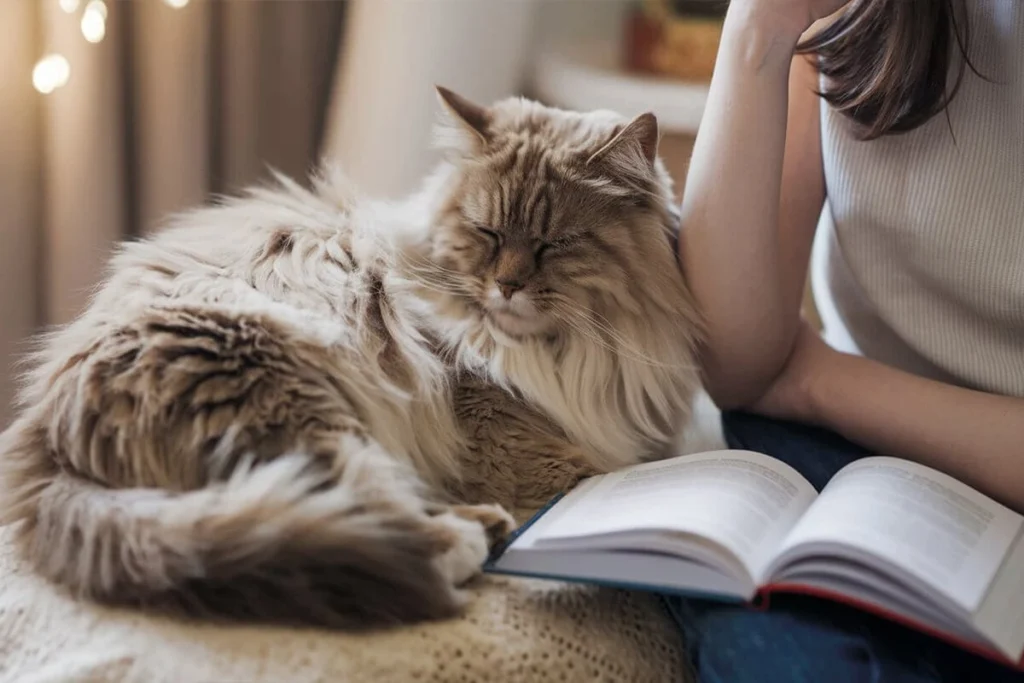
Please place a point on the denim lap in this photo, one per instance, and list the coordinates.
(815, 453)
(798, 641)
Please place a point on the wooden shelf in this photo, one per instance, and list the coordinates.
(586, 77)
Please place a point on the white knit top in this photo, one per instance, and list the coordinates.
(919, 258)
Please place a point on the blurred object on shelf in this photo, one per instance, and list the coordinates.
(586, 76)
(674, 38)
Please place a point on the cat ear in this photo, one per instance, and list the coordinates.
(637, 141)
(470, 117)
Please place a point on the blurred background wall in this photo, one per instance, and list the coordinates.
(114, 113)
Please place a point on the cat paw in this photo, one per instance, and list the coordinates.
(495, 520)
(468, 550)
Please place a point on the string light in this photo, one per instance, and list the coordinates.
(94, 21)
(51, 72)
(98, 6)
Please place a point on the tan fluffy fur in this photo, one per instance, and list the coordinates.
(303, 405)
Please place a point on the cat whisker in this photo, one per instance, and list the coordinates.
(387, 251)
(436, 278)
(425, 274)
(591, 327)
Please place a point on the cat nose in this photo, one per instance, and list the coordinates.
(509, 287)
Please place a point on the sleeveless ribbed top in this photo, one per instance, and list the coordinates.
(919, 258)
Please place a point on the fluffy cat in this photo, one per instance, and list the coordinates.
(301, 405)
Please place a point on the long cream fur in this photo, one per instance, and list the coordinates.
(305, 405)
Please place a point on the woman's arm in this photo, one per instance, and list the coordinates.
(971, 435)
(753, 195)
(974, 436)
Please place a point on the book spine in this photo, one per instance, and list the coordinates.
(499, 548)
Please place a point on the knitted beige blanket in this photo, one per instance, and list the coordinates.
(514, 631)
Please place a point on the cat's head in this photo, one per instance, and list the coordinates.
(552, 244)
(556, 221)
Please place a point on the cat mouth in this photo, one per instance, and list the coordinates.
(516, 325)
(516, 316)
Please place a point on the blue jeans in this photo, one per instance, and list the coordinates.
(803, 640)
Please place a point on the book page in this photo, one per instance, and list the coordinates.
(1001, 615)
(744, 501)
(926, 523)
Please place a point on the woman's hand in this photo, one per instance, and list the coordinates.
(790, 396)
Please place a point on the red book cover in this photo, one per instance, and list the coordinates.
(763, 601)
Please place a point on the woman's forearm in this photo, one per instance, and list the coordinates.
(973, 436)
(729, 241)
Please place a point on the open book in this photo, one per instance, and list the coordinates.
(886, 535)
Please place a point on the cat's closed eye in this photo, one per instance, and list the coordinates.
(492, 235)
(545, 248)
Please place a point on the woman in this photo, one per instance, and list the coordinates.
(913, 159)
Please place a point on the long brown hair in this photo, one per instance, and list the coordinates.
(887, 62)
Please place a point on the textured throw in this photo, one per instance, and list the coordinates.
(514, 630)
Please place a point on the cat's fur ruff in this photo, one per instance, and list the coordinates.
(295, 405)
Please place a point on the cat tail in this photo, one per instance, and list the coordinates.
(278, 541)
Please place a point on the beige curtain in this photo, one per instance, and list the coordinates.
(385, 107)
(178, 100)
